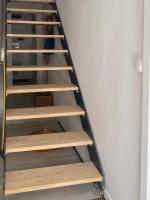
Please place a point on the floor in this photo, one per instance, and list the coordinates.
(41, 159)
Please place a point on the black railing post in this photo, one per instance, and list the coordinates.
(2, 110)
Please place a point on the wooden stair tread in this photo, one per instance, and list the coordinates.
(38, 68)
(32, 22)
(46, 141)
(37, 51)
(43, 112)
(51, 177)
(34, 1)
(34, 36)
(21, 10)
(41, 88)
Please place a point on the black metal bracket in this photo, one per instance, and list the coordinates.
(77, 153)
(79, 99)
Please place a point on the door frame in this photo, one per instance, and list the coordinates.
(145, 138)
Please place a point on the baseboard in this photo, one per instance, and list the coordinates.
(107, 195)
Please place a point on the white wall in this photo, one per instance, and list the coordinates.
(105, 39)
(145, 139)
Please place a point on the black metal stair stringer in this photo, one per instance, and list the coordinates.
(79, 99)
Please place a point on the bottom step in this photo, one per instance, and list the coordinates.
(51, 177)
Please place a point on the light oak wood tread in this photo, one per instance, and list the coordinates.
(46, 141)
(43, 112)
(41, 88)
(38, 68)
(34, 36)
(34, 1)
(37, 51)
(21, 10)
(51, 177)
(32, 22)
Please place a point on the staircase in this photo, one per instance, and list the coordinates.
(44, 178)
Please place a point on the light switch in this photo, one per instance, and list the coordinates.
(139, 66)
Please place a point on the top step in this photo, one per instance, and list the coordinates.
(21, 10)
(33, 1)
